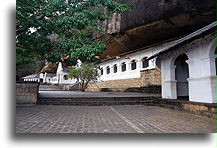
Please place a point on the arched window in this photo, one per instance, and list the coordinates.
(133, 64)
(107, 69)
(144, 62)
(65, 77)
(123, 67)
(115, 68)
(101, 71)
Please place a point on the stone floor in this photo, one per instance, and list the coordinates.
(76, 94)
(49, 88)
(53, 91)
(109, 119)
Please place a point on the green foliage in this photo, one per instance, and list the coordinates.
(84, 74)
(73, 24)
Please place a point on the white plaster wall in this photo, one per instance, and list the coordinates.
(134, 56)
(54, 80)
(202, 81)
(68, 81)
(59, 79)
(202, 76)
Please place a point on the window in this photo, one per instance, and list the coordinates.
(65, 77)
(133, 65)
(107, 69)
(115, 68)
(123, 66)
(101, 71)
(144, 62)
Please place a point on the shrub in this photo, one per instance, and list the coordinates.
(84, 74)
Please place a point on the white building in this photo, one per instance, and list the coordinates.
(188, 67)
(33, 77)
(129, 65)
(61, 76)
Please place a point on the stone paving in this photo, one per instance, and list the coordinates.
(109, 119)
(52, 91)
(76, 94)
(49, 88)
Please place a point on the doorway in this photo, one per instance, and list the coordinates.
(181, 76)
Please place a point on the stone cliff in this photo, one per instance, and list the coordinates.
(154, 21)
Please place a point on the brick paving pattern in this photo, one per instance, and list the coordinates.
(109, 119)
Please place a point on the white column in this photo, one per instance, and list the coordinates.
(168, 82)
(137, 65)
(128, 66)
(152, 63)
(119, 68)
(202, 85)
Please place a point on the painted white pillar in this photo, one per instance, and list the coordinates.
(137, 65)
(202, 87)
(168, 82)
(128, 66)
(140, 64)
(119, 68)
(152, 63)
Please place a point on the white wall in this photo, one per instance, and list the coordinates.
(134, 56)
(68, 81)
(201, 65)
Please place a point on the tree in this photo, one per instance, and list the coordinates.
(62, 30)
(84, 74)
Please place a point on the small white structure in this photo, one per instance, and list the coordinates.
(61, 76)
(188, 67)
(32, 78)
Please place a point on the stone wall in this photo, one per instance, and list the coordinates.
(150, 77)
(26, 93)
(205, 109)
(149, 81)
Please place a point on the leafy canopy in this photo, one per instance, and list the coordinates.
(51, 29)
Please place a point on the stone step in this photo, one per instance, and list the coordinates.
(94, 101)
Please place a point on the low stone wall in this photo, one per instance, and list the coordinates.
(26, 92)
(149, 81)
(205, 109)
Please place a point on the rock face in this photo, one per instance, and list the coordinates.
(146, 11)
(154, 21)
(49, 68)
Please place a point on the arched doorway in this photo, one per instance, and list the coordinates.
(181, 76)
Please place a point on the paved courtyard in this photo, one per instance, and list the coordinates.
(109, 119)
(78, 94)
